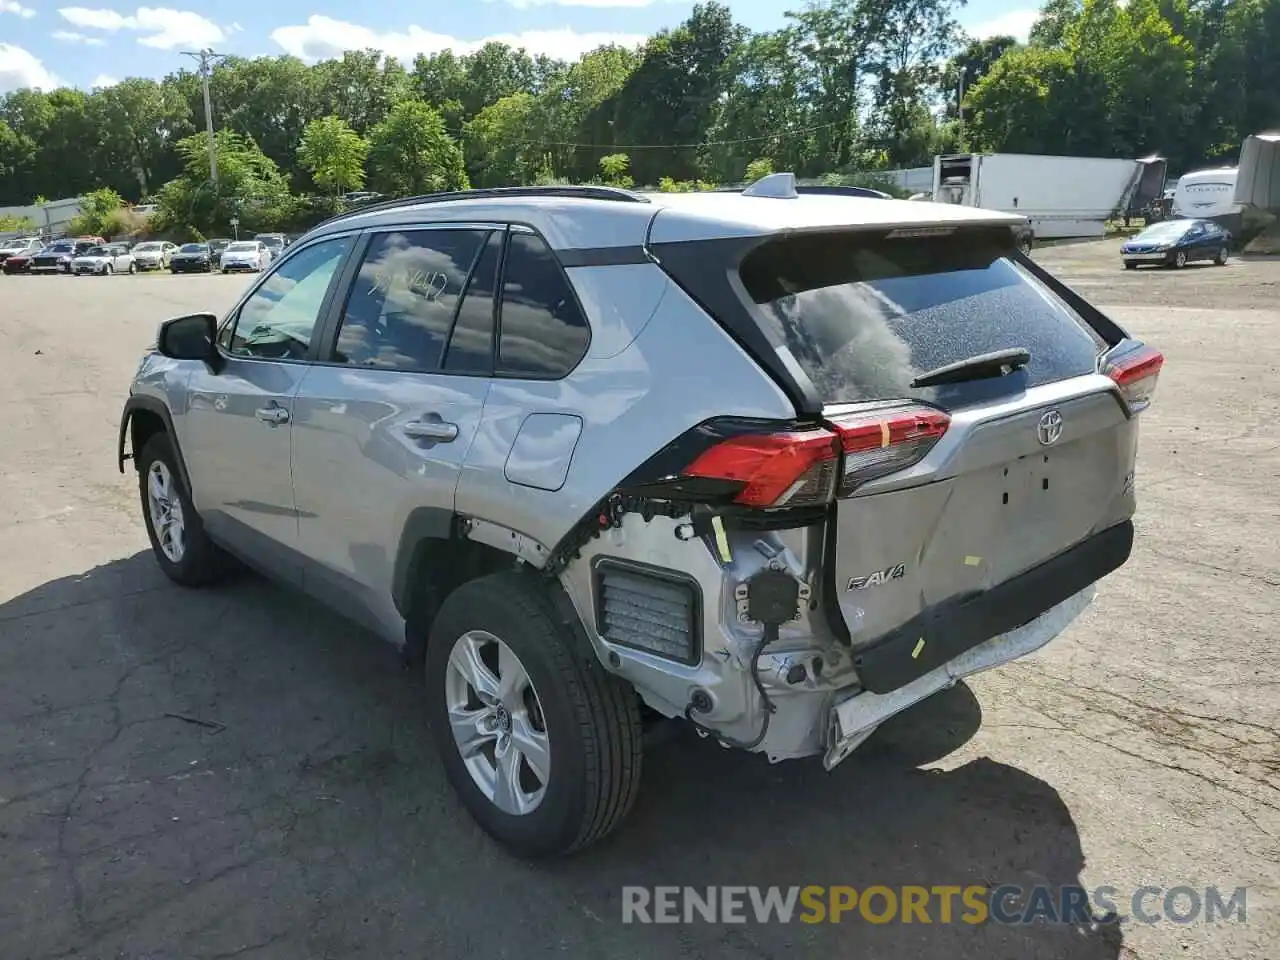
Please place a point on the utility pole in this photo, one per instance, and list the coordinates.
(207, 58)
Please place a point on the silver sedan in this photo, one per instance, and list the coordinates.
(104, 260)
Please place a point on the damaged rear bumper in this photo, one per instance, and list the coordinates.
(855, 717)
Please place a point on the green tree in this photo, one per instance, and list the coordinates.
(672, 96)
(410, 152)
(613, 170)
(249, 186)
(765, 112)
(95, 210)
(11, 224)
(501, 142)
(758, 168)
(334, 154)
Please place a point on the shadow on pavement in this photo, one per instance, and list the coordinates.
(235, 770)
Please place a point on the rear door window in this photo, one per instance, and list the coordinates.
(543, 332)
(401, 307)
(864, 314)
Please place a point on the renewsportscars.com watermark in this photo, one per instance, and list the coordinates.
(939, 904)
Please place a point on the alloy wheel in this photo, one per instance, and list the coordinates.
(497, 723)
(165, 507)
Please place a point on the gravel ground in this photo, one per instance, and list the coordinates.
(1139, 748)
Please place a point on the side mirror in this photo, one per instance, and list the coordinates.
(190, 338)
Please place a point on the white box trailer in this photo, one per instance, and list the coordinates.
(1061, 197)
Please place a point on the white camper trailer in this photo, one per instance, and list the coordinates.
(1209, 195)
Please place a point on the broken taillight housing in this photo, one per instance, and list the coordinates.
(1135, 368)
(790, 466)
(878, 442)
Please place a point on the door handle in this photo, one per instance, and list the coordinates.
(272, 415)
(436, 430)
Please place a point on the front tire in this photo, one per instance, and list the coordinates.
(542, 745)
(133, 268)
(108, 270)
(178, 540)
(1221, 258)
(1179, 259)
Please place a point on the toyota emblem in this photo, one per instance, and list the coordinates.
(1049, 429)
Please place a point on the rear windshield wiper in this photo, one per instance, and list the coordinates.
(998, 364)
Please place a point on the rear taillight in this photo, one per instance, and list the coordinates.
(883, 441)
(790, 468)
(1135, 370)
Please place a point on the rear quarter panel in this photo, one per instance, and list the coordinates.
(657, 366)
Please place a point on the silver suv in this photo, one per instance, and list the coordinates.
(778, 464)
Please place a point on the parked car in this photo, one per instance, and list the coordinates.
(216, 246)
(274, 242)
(19, 246)
(57, 256)
(20, 262)
(192, 258)
(1175, 243)
(874, 449)
(244, 255)
(105, 260)
(154, 254)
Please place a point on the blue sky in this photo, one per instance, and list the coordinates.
(45, 44)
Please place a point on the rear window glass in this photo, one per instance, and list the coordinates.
(863, 315)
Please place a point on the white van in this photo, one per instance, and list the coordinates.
(1207, 195)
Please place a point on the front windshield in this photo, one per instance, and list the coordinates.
(242, 247)
(96, 252)
(145, 247)
(271, 241)
(61, 248)
(1169, 230)
(193, 248)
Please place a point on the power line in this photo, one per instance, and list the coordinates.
(206, 59)
(678, 146)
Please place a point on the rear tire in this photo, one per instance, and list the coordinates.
(185, 554)
(587, 720)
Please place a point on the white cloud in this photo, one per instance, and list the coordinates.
(19, 68)
(162, 27)
(1014, 23)
(323, 37)
(103, 80)
(13, 6)
(70, 36)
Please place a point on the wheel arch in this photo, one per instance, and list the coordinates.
(144, 417)
(439, 551)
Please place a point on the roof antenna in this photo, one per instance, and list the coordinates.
(779, 186)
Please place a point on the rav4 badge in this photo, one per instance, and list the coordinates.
(879, 578)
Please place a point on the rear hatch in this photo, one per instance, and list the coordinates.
(1023, 462)
(953, 488)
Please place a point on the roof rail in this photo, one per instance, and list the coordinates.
(491, 193)
(800, 189)
(839, 191)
